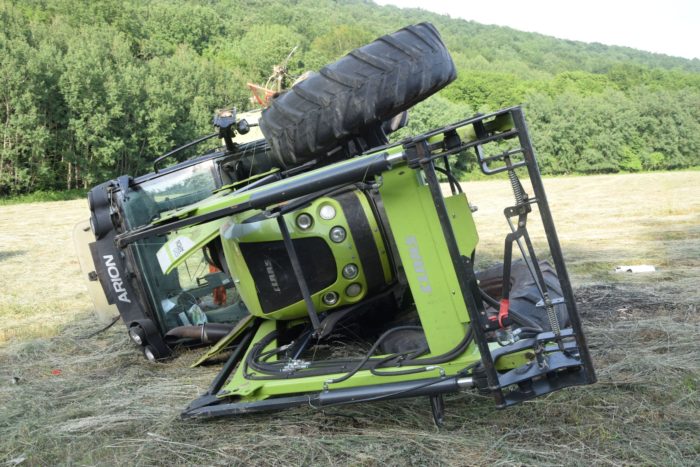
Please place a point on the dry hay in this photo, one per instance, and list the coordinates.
(109, 406)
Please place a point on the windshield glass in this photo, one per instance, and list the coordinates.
(194, 293)
(145, 201)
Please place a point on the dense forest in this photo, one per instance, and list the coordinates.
(93, 89)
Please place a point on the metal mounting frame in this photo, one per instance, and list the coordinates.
(545, 376)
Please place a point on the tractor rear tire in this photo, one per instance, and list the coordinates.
(524, 294)
(364, 88)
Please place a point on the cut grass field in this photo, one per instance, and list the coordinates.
(109, 405)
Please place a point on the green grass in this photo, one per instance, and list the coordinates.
(109, 406)
(43, 196)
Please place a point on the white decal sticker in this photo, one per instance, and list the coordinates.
(116, 279)
(179, 246)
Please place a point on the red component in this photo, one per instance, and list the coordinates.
(503, 311)
(56, 372)
(219, 293)
(261, 94)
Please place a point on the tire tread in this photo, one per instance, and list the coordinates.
(369, 85)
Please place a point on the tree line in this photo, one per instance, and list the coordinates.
(93, 89)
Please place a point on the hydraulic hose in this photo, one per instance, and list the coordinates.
(275, 370)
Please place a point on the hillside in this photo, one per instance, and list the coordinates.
(91, 90)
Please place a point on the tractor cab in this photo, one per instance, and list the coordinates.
(161, 309)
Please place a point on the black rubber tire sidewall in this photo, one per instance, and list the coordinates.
(98, 198)
(524, 294)
(101, 222)
(369, 85)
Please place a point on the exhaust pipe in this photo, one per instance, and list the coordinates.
(208, 333)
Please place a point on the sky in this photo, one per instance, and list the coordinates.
(671, 27)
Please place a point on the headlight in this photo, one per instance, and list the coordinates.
(327, 212)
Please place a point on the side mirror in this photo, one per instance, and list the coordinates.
(224, 120)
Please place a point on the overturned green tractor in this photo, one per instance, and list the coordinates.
(353, 265)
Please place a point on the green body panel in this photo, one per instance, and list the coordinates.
(235, 232)
(427, 263)
(425, 257)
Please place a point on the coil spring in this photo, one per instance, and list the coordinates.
(515, 183)
(552, 315)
